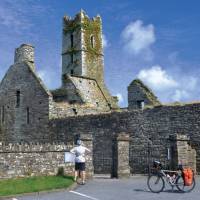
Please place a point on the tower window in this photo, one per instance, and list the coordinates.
(27, 115)
(92, 41)
(72, 71)
(18, 98)
(72, 58)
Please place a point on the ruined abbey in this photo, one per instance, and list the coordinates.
(38, 125)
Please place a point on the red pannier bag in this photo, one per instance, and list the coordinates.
(188, 176)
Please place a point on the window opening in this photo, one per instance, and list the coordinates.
(92, 41)
(27, 115)
(140, 104)
(18, 98)
(72, 40)
(75, 111)
(3, 114)
(72, 58)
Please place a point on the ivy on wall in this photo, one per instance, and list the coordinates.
(90, 28)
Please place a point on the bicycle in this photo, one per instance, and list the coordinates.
(156, 181)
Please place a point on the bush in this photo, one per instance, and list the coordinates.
(60, 171)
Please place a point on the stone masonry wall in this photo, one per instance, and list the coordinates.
(17, 123)
(35, 159)
(149, 132)
(18, 160)
(137, 93)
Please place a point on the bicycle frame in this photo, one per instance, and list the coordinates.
(171, 180)
(157, 179)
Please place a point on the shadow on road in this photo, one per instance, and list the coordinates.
(141, 190)
(168, 191)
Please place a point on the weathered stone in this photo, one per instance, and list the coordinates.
(37, 125)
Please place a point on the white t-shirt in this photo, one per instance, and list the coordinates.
(79, 152)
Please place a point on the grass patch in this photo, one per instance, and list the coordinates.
(33, 184)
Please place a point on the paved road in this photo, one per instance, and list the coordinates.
(114, 189)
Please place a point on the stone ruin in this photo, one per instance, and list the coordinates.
(38, 125)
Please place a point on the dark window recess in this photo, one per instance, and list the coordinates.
(72, 40)
(72, 57)
(97, 103)
(27, 115)
(75, 111)
(76, 137)
(3, 114)
(140, 104)
(18, 98)
(92, 41)
(72, 101)
(72, 72)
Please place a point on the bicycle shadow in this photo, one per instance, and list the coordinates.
(167, 191)
(141, 190)
(173, 191)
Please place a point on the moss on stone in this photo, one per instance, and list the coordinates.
(59, 92)
(71, 26)
(92, 28)
(147, 91)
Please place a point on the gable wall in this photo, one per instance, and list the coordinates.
(15, 127)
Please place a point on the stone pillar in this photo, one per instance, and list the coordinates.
(184, 154)
(122, 148)
(88, 142)
(25, 53)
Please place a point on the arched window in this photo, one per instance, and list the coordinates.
(92, 41)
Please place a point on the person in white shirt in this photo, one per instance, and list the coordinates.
(79, 152)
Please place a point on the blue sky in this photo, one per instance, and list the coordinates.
(157, 41)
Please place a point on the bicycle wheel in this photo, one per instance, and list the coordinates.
(155, 183)
(181, 187)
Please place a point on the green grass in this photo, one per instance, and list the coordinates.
(33, 184)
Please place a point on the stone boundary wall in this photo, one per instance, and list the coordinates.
(35, 159)
(149, 131)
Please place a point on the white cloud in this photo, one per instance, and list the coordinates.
(169, 87)
(180, 94)
(157, 78)
(138, 38)
(105, 41)
(120, 98)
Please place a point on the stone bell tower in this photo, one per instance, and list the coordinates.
(82, 51)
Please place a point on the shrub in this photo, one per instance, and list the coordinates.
(60, 171)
